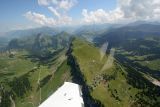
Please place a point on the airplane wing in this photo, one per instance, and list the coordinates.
(68, 95)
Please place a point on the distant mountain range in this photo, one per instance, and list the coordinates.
(83, 30)
(130, 31)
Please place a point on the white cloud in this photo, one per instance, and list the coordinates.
(54, 11)
(65, 20)
(45, 21)
(141, 9)
(126, 10)
(101, 16)
(44, 2)
(67, 4)
(59, 8)
(59, 4)
(39, 18)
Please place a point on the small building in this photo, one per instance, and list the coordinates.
(68, 95)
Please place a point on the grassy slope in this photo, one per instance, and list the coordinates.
(152, 64)
(16, 66)
(115, 92)
(51, 75)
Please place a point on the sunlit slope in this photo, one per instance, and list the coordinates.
(109, 82)
(27, 81)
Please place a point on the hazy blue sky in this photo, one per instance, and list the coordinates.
(12, 11)
(21, 14)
